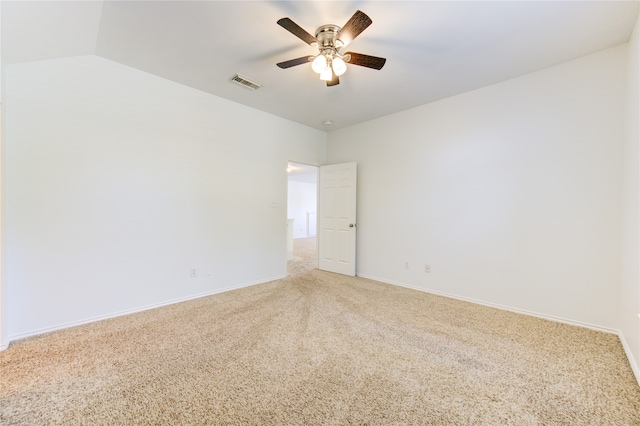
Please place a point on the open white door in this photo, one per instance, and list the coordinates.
(337, 219)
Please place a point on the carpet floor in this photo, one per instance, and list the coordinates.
(322, 349)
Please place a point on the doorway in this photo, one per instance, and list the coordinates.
(302, 202)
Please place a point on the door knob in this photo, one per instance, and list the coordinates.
(351, 225)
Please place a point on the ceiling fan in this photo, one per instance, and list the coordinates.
(329, 39)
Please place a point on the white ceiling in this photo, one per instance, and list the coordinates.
(434, 49)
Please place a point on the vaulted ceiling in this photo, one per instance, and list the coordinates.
(434, 49)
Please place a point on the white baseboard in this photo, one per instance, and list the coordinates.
(131, 311)
(497, 306)
(632, 361)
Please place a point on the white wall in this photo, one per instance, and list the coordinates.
(512, 193)
(302, 198)
(118, 182)
(2, 269)
(630, 283)
(2, 303)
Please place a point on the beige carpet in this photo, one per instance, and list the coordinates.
(322, 349)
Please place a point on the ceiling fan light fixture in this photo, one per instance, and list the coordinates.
(319, 63)
(326, 74)
(339, 67)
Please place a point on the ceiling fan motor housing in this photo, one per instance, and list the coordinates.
(326, 36)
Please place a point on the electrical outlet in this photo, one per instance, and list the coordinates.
(427, 268)
(193, 272)
(406, 264)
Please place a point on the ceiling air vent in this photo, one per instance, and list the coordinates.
(244, 81)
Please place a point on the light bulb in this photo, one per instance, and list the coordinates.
(339, 67)
(319, 63)
(326, 74)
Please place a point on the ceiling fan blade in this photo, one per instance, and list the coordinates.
(365, 60)
(335, 80)
(354, 26)
(294, 62)
(297, 31)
